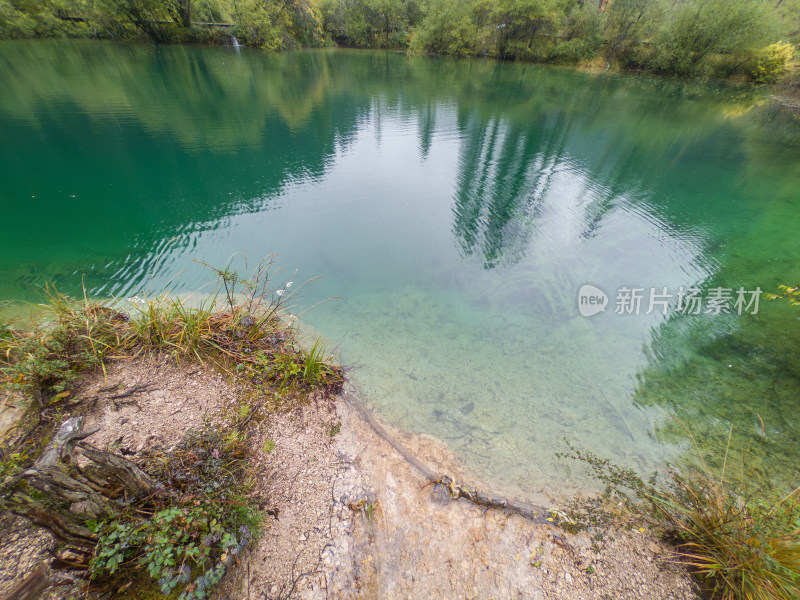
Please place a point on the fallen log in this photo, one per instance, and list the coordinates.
(71, 494)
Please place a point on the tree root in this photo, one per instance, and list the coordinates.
(537, 514)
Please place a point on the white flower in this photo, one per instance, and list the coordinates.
(289, 284)
(279, 292)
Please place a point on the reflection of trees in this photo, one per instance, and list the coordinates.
(503, 173)
(270, 118)
(213, 99)
(146, 140)
(741, 371)
(628, 138)
(426, 118)
(772, 147)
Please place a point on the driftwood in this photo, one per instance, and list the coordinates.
(74, 494)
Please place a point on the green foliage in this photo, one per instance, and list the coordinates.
(174, 545)
(262, 24)
(584, 35)
(314, 365)
(150, 17)
(526, 29)
(691, 32)
(742, 541)
(184, 543)
(695, 38)
(370, 23)
(44, 18)
(300, 369)
(13, 461)
(772, 63)
(45, 362)
(16, 23)
(790, 293)
(448, 28)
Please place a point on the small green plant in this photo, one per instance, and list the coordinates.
(303, 370)
(366, 507)
(12, 462)
(184, 543)
(334, 429)
(269, 446)
(285, 368)
(314, 366)
(174, 547)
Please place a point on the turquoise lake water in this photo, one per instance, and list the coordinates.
(455, 208)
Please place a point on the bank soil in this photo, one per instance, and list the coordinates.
(349, 517)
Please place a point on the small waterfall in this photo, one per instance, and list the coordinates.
(234, 42)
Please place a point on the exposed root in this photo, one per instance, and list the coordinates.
(537, 514)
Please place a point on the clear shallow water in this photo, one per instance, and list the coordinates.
(455, 208)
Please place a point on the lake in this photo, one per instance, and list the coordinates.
(469, 216)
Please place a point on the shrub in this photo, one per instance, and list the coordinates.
(447, 29)
(772, 63)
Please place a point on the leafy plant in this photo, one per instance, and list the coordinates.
(301, 369)
(186, 540)
(286, 368)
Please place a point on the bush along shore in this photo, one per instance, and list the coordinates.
(169, 521)
(165, 520)
(751, 39)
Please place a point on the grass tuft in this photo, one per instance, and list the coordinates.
(741, 541)
(240, 329)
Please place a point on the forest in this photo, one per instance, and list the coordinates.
(745, 39)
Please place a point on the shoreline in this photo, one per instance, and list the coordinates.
(357, 520)
(598, 65)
